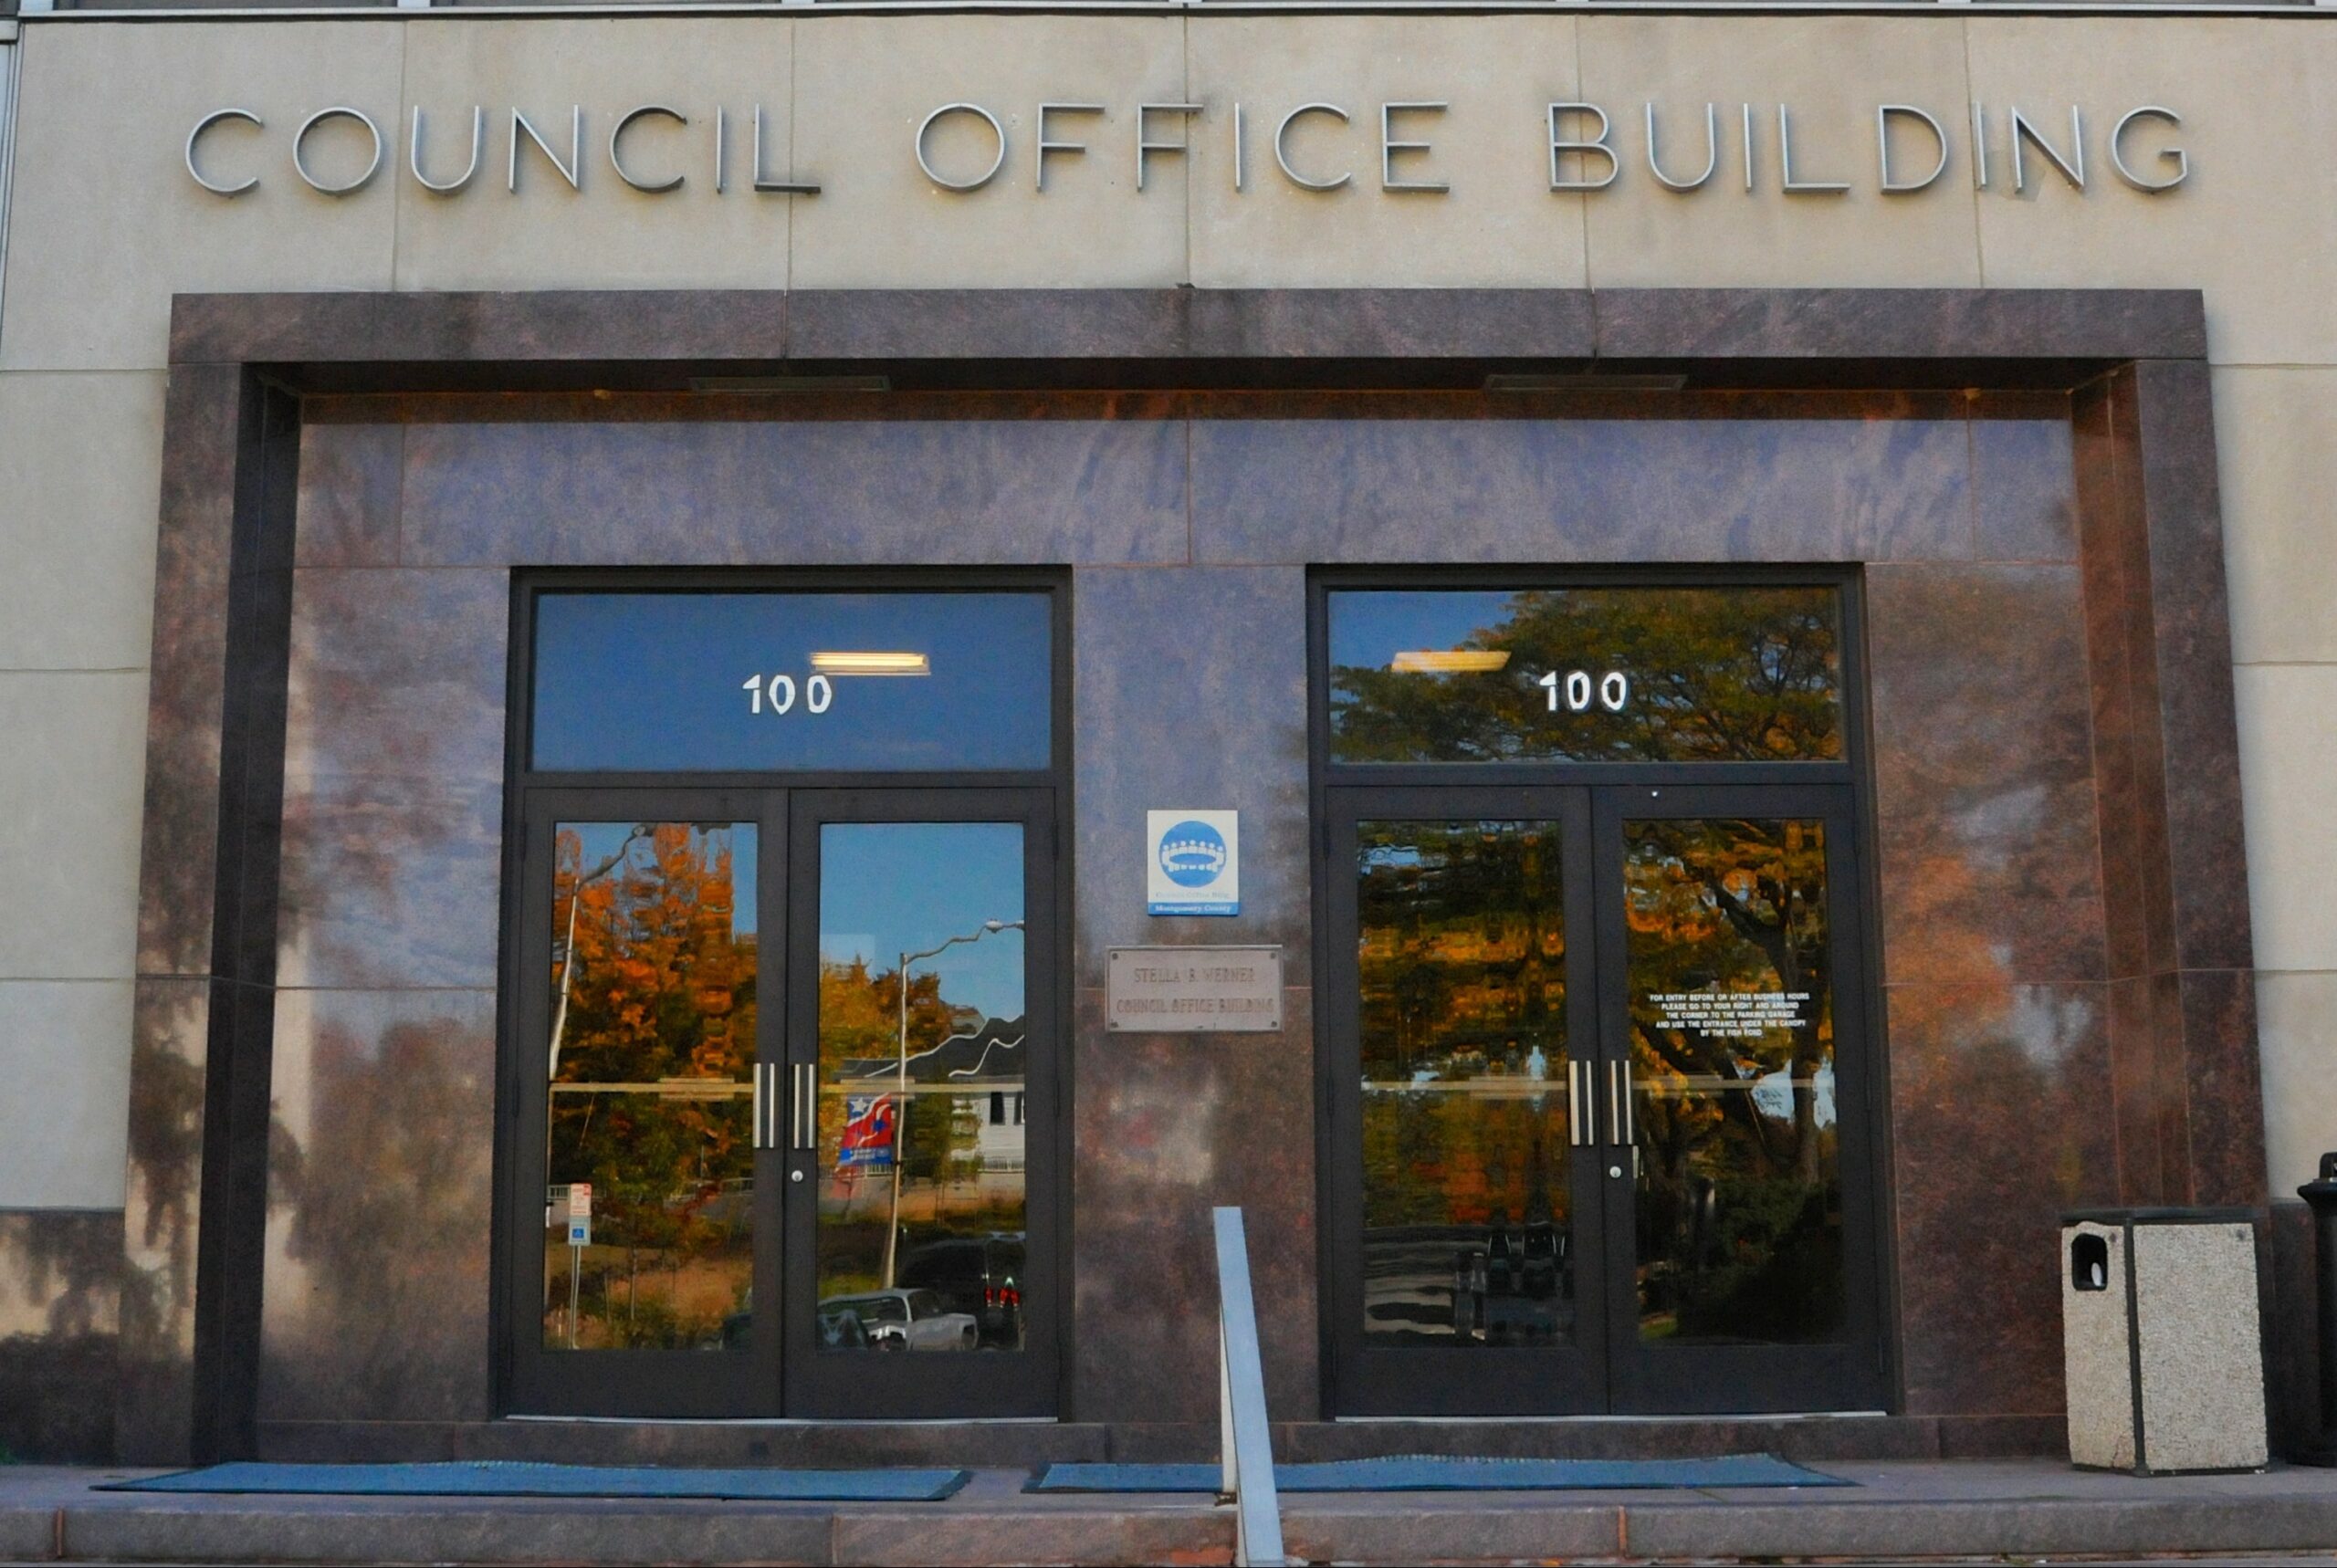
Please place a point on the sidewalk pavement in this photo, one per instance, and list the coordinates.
(1989, 1509)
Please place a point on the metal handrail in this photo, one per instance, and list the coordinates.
(1245, 1443)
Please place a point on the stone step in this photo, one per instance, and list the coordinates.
(1933, 1511)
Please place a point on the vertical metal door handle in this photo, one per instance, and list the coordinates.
(807, 1116)
(1575, 1137)
(759, 1070)
(1619, 1101)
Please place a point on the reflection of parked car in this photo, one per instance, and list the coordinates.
(906, 1319)
(838, 1331)
(980, 1276)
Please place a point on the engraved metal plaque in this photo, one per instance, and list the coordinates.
(1188, 990)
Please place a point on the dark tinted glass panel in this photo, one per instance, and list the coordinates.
(1466, 1208)
(649, 1202)
(1739, 1143)
(751, 682)
(1585, 675)
(922, 1214)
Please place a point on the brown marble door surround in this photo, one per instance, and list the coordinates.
(350, 478)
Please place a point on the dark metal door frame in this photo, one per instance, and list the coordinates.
(1475, 1380)
(1607, 1369)
(859, 1383)
(1844, 1374)
(677, 1383)
(780, 1374)
(1858, 1375)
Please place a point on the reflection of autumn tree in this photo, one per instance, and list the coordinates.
(660, 987)
(1741, 674)
(1462, 966)
(1741, 1219)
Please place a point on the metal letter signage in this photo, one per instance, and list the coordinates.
(1194, 990)
(962, 146)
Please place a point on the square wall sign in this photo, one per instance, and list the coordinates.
(1192, 862)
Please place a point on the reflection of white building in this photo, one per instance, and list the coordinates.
(980, 1067)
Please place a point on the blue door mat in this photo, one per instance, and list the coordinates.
(1433, 1472)
(496, 1478)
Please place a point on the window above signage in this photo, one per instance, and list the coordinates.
(791, 681)
(1585, 675)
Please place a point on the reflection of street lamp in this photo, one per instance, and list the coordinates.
(901, 1099)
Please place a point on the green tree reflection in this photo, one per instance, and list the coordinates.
(1740, 1200)
(1746, 674)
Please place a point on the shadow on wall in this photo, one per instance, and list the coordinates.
(59, 1351)
(378, 1230)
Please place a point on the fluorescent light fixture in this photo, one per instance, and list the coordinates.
(791, 384)
(1590, 381)
(872, 664)
(1449, 660)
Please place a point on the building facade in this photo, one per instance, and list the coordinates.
(716, 710)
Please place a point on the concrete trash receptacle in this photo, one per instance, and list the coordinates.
(2161, 1339)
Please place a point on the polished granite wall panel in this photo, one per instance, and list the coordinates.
(807, 492)
(2223, 1089)
(2166, 749)
(383, 1064)
(398, 674)
(351, 479)
(2104, 492)
(1189, 691)
(1997, 1126)
(1166, 1127)
(380, 1205)
(2193, 653)
(60, 1297)
(1989, 489)
(2137, 1103)
(2122, 624)
(1351, 484)
(204, 412)
(170, 1034)
(2023, 500)
(1983, 769)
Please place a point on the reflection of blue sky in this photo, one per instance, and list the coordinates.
(1774, 1094)
(656, 681)
(1367, 628)
(601, 840)
(889, 888)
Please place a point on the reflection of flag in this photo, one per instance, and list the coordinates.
(868, 1130)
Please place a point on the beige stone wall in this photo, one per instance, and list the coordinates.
(107, 225)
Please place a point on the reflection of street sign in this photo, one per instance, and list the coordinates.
(867, 1138)
(580, 1200)
(580, 1232)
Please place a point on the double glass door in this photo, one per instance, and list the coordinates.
(787, 1131)
(1597, 1079)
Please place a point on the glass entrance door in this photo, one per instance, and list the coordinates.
(1596, 1088)
(783, 997)
(1738, 1180)
(1471, 1199)
(640, 1113)
(921, 1055)
(788, 1125)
